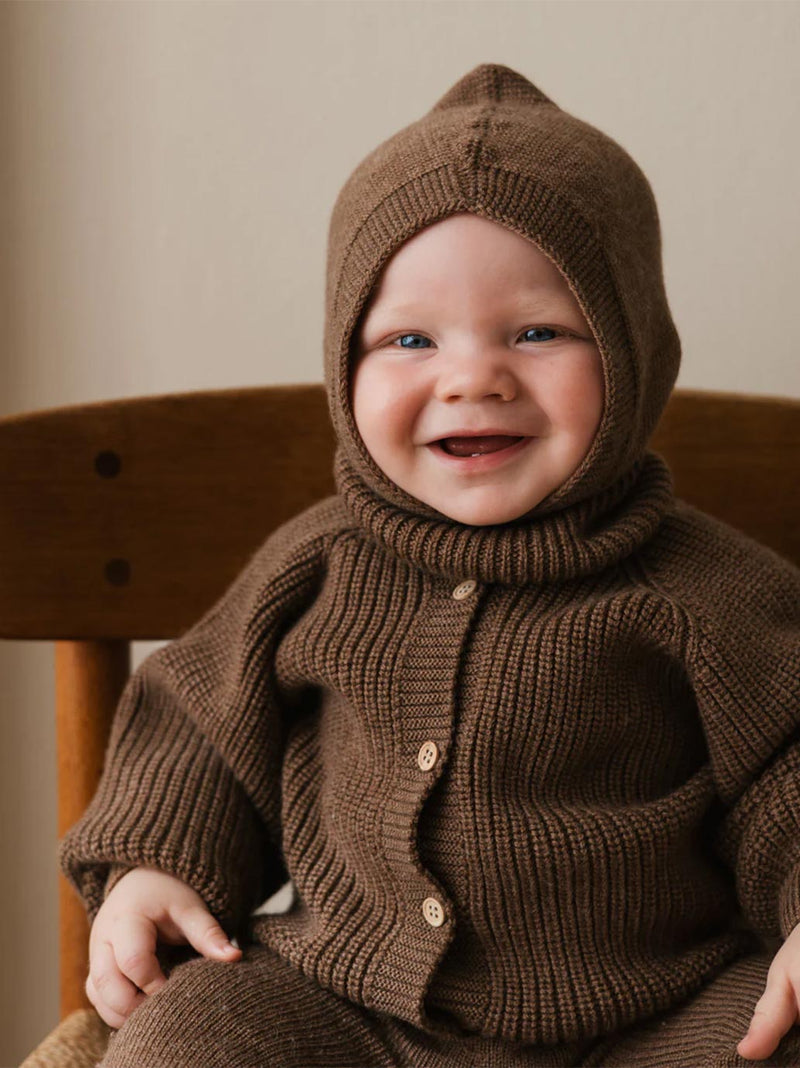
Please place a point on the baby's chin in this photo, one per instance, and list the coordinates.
(482, 513)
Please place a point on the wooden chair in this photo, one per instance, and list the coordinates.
(125, 520)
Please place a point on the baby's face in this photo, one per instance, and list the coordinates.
(477, 385)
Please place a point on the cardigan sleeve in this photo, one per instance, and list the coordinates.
(744, 663)
(191, 777)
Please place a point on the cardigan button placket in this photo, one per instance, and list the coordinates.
(426, 697)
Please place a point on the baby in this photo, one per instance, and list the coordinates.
(520, 726)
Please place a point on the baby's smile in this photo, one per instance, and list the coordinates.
(475, 445)
(475, 455)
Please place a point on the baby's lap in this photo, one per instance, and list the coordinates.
(703, 1031)
(244, 1014)
(261, 1010)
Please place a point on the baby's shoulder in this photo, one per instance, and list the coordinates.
(713, 570)
(304, 537)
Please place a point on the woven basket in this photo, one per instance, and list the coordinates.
(79, 1041)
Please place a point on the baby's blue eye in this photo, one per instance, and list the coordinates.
(403, 337)
(418, 341)
(540, 330)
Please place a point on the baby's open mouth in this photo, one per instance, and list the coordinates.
(477, 446)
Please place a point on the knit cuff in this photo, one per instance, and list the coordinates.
(789, 901)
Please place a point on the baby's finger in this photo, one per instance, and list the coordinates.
(114, 996)
(113, 1019)
(203, 932)
(135, 951)
(774, 1014)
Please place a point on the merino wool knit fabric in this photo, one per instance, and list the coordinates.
(534, 782)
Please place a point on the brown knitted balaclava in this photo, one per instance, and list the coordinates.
(496, 146)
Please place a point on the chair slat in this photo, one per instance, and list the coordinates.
(128, 519)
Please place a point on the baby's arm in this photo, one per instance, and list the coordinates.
(742, 604)
(191, 778)
(143, 906)
(777, 1009)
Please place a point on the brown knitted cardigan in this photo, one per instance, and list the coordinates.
(612, 683)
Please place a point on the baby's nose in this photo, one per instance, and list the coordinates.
(475, 377)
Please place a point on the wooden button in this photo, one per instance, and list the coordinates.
(433, 912)
(428, 755)
(464, 589)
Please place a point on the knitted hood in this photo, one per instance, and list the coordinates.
(496, 146)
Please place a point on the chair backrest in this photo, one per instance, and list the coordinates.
(126, 520)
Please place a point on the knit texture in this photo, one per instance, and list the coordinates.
(613, 694)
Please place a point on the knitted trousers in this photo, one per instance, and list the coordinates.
(260, 1011)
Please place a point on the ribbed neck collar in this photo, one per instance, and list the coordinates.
(583, 538)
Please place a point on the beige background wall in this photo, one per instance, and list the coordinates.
(167, 171)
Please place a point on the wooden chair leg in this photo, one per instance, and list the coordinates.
(90, 676)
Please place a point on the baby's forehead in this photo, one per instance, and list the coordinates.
(469, 252)
(467, 283)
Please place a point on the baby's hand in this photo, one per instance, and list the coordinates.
(145, 905)
(777, 1009)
